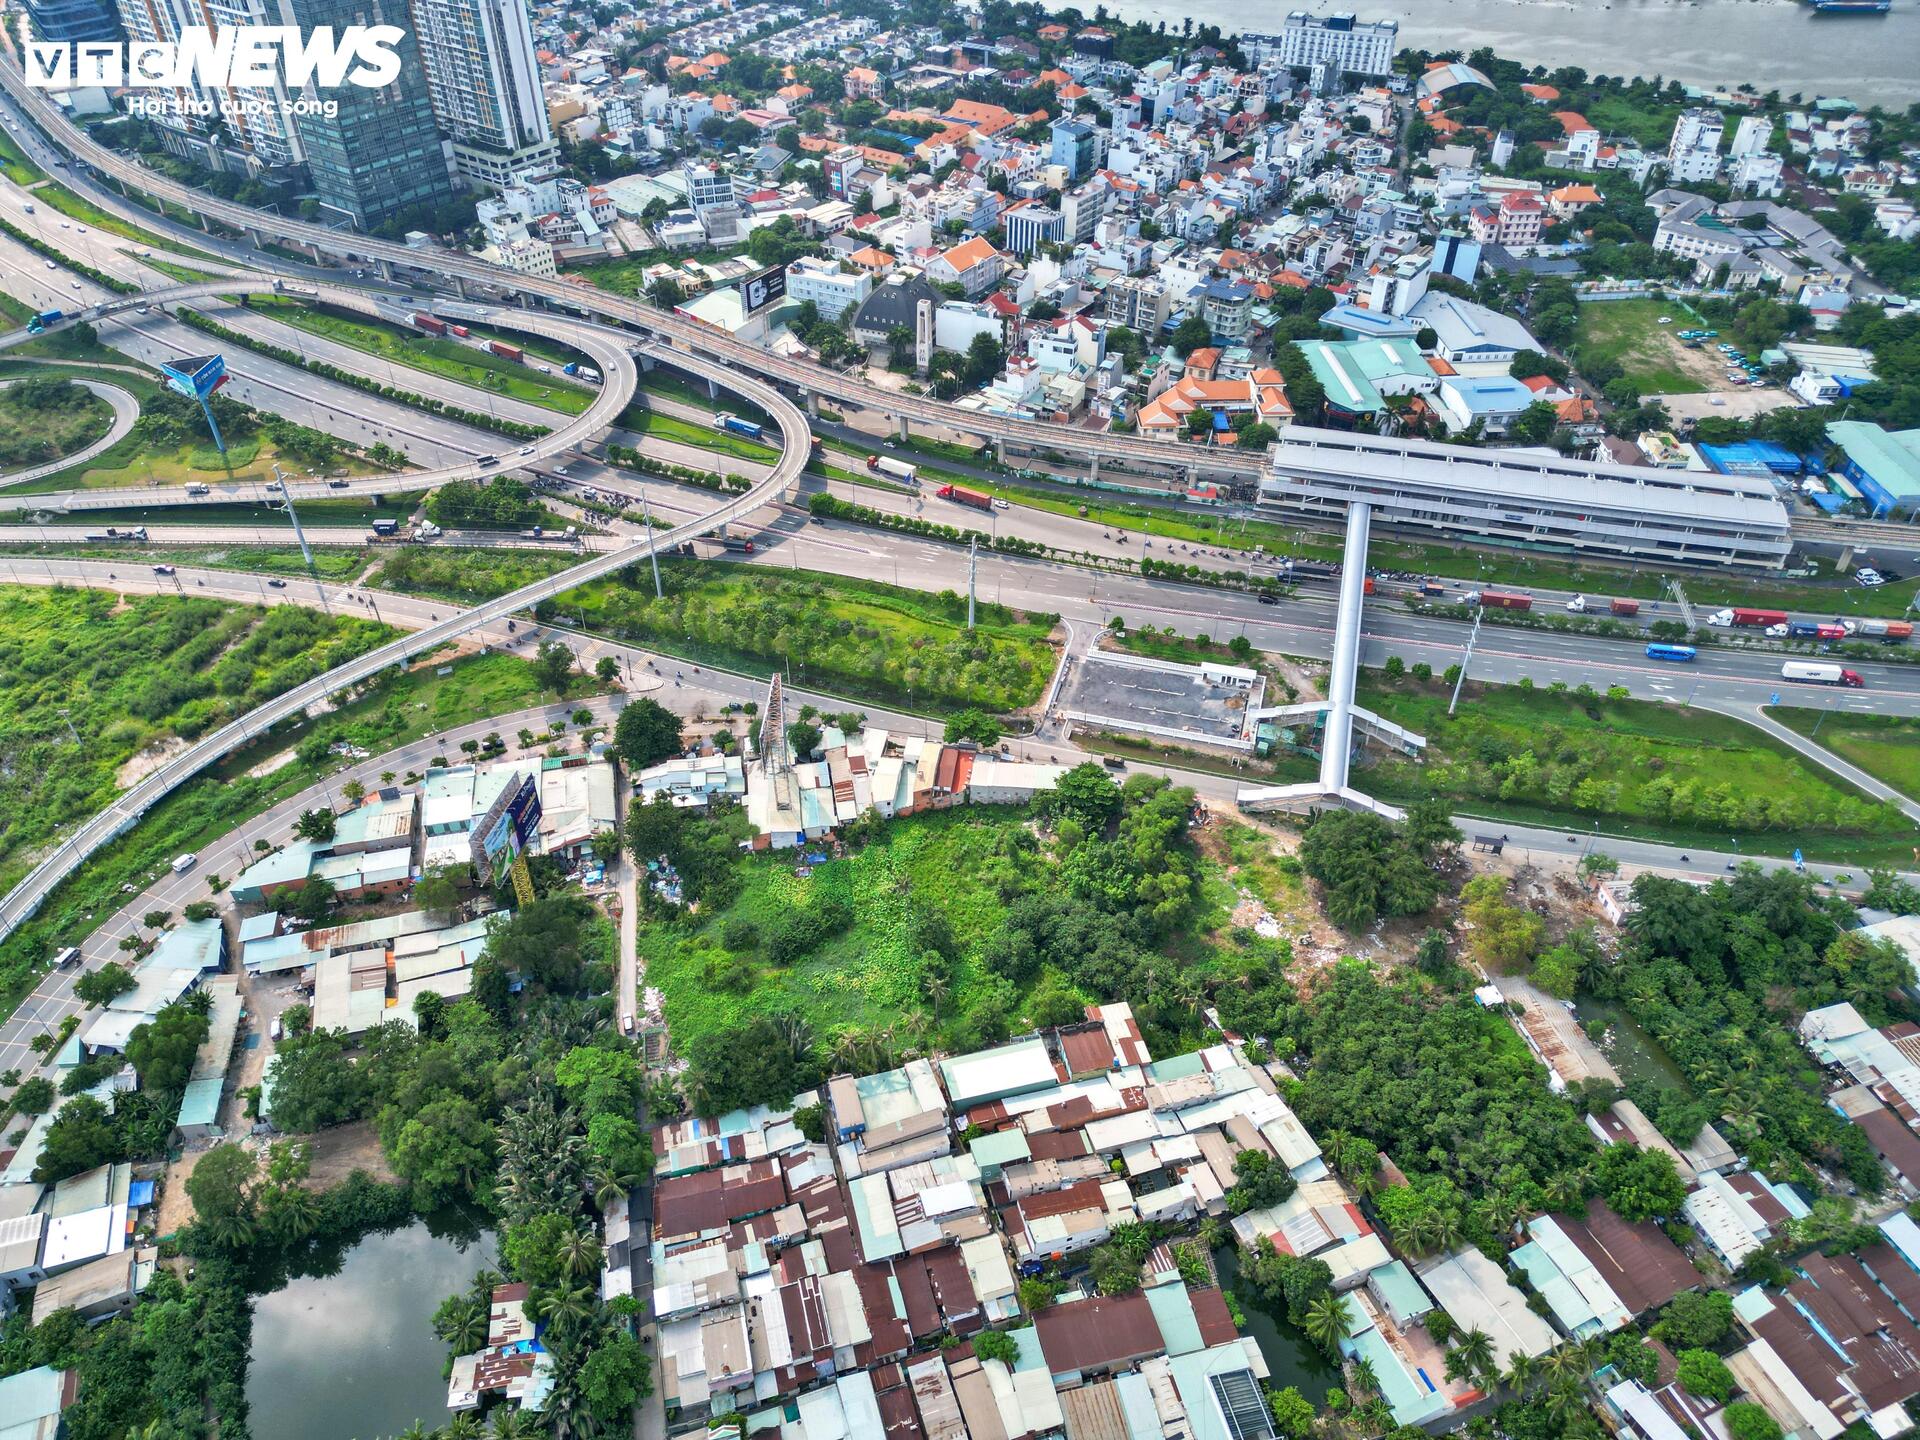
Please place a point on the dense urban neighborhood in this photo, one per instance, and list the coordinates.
(957, 722)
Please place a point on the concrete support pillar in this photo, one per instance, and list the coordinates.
(1093, 471)
(460, 286)
(901, 433)
(813, 404)
(1000, 449)
(1193, 476)
(385, 270)
(713, 388)
(203, 223)
(255, 238)
(1845, 562)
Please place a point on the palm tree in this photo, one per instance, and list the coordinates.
(1522, 1371)
(1564, 1400)
(464, 1327)
(1475, 1349)
(512, 1423)
(1566, 1192)
(1565, 1365)
(566, 1310)
(415, 1431)
(609, 1185)
(578, 1253)
(1328, 1322)
(936, 987)
(482, 1288)
(1362, 1379)
(462, 1427)
(235, 1231)
(796, 1034)
(294, 1214)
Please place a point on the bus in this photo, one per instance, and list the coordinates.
(1679, 653)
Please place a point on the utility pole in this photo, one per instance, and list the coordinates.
(1466, 658)
(306, 551)
(973, 566)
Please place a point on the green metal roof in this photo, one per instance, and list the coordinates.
(1892, 457)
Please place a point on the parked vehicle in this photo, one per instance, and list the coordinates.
(1807, 672)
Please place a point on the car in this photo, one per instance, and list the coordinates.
(276, 584)
(1870, 579)
(1000, 504)
(52, 266)
(1666, 319)
(526, 449)
(81, 228)
(1866, 572)
(75, 284)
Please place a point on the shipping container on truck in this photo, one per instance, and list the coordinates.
(1883, 629)
(386, 527)
(1807, 672)
(1623, 607)
(1432, 588)
(459, 330)
(1802, 629)
(964, 496)
(887, 465)
(1500, 600)
(43, 320)
(506, 351)
(432, 324)
(1830, 632)
(1759, 617)
(739, 544)
(733, 423)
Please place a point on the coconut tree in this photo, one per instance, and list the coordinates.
(1328, 1322)
(1474, 1350)
(578, 1253)
(567, 1310)
(1362, 1378)
(462, 1427)
(1522, 1371)
(463, 1326)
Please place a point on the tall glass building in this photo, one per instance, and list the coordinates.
(380, 153)
(74, 19)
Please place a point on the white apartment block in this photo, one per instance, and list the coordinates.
(829, 287)
(1341, 42)
(1693, 154)
(485, 82)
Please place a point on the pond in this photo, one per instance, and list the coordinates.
(1632, 1051)
(352, 1353)
(1291, 1356)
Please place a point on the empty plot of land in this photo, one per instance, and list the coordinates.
(1135, 694)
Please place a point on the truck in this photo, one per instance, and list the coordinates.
(1889, 630)
(898, 469)
(96, 537)
(1623, 607)
(459, 330)
(432, 324)
(1366, 587)
(587, 373)
(43, 320)
(197, 488)
(163, 569)
(1802, 629)
(735, 425)
(534, 533)
(1830, 632)
(959, 493)
(1757, 618)
(1432, 588)
(1500, 600)
(386, 527)
(739, 544)
(506, 351)
(1807, 672)
(427, 530)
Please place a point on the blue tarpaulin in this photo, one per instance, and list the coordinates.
(139, 1194)
(1754, 457)
(1829, 502)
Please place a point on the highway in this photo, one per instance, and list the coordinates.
(796, 441)
(611, 352)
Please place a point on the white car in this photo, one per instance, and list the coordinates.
(1000, 504)
(1666, 319)
(526, 449)
(1867, 575)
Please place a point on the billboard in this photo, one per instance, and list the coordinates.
(195, 376)
(504, 831)
(764, 288)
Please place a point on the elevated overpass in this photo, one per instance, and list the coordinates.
(611, 351)
(796, 442)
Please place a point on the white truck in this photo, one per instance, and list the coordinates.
(887, 465)
(1809, 672)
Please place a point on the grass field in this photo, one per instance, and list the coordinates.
(1629, 333)
(653, 425)
(449, 359)
(1663, 771)
(465, 577)
(35, 431)
(398, 709)
(1887, 747)
(864, 641)
(128, 674)
(14, 163)
(333, 563)
(315, 513)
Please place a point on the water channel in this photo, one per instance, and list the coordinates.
(351, 1354)
(1291, 1356)
(1632, 1051)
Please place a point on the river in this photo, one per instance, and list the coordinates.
(353, 1353)
(1773, 44)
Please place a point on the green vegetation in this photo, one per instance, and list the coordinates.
(15, 165)
(1629, 334)
(76, 207)
(465, 577)
(333, 563)
(130, 674)
(44, 419)
(1887, 747)
(388, 712)
(864, 640)
(448, 358)
(1558, 757)
(654, 425)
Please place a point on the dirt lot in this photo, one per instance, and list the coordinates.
(340, 1151)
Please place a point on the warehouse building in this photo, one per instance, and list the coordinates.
(1520, 498)
(1884, 464)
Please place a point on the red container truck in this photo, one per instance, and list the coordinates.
(1499, 600)
(1759, 617)
(432, 324)
(964, 496)
(506, 351)
(1624, 607)
(460, 330)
